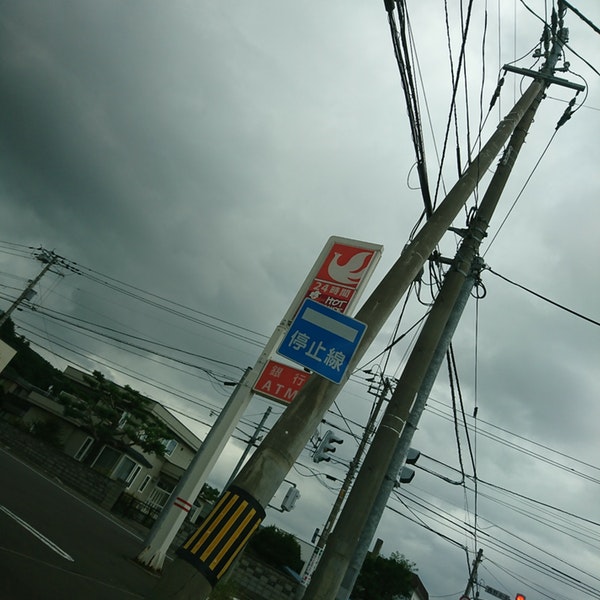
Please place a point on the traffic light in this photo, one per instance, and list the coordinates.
(327, 445)
(519, 597)
(406, 475)
(290, 499)
(412, 456)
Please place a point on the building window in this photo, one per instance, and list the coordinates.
(84, 448)
(145, 483)
(170, 446)
(126, 470)
(107, 460)
(134, 473)
(123, 421)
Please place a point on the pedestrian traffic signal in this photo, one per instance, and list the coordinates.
(326, 445)
(519, 597)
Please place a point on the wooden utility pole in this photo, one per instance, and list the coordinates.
(205, 558)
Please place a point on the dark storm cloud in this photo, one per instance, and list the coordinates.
(206, 152)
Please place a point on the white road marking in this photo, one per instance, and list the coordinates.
(61, 487)
(37, 534)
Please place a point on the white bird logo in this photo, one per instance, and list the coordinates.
(351, 272)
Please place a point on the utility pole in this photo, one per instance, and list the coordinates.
(353, 466)
(337, 505)
(473, 574)
(200, 564)
(249, 445)
(399, 457)
(44, 256)
(343, 541)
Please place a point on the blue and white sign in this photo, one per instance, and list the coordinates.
(322, 339)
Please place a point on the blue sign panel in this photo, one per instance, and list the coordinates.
(322, 339)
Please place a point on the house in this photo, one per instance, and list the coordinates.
(147, 477)
(418, 589)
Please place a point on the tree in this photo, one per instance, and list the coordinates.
(384, 578)
(48, 431)
(115, 416)
(277, 547)
(27, 363)
(209, 494)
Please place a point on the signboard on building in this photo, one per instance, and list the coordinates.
(6, 354)
(280, 382)
(343, 267)
(322, 339)
(336, 280)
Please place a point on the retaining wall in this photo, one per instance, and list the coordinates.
(54, 463)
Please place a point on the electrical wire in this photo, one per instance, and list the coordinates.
(436, 514)
(544, 298)
(520, 193)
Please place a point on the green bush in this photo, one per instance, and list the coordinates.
(277, 547)
(48, 432)
(384, 578)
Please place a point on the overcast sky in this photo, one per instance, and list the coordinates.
(202, 153)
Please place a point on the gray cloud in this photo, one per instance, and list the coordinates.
(205, 153)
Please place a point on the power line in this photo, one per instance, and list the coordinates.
(544, 298)
(522, 449)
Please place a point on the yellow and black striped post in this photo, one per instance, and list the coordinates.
(213, 547)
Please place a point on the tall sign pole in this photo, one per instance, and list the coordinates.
(186, 491)
(335, 280)
(206, 557)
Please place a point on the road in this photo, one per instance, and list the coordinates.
(55, 545)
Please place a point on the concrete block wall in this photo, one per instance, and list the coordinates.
(257, 580)
(54, 463)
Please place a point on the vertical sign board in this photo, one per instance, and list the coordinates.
(343, 268)
(280, 382)
(322, 339)
(6, 354)
(339, 274)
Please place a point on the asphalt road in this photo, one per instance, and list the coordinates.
(53, 545)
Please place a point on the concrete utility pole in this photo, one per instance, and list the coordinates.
(473, 573)
(399, 457)
(344, 539)
(167, 525)
(337, 505)
(207, 555)
(249, 446)
(46, 257)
